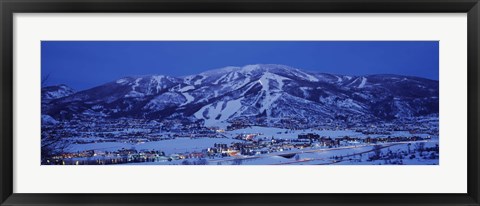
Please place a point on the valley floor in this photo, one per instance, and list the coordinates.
(256, 146)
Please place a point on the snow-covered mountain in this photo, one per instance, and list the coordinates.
(256, 93)
(56, 92)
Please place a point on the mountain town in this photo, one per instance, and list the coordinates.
(263, 114)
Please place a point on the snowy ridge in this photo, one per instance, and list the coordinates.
(256, 93)
(362, 84)
(56, 92)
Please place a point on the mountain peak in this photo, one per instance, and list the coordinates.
(247, 68)
(268, 67)
(232, 73)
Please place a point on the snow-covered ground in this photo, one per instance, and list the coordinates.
(350, 155)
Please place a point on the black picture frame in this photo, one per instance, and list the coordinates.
(9, 7)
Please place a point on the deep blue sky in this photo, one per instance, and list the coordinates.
(85, 64)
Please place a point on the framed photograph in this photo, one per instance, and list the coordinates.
(242, 102)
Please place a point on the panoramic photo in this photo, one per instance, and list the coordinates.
(240, 103)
